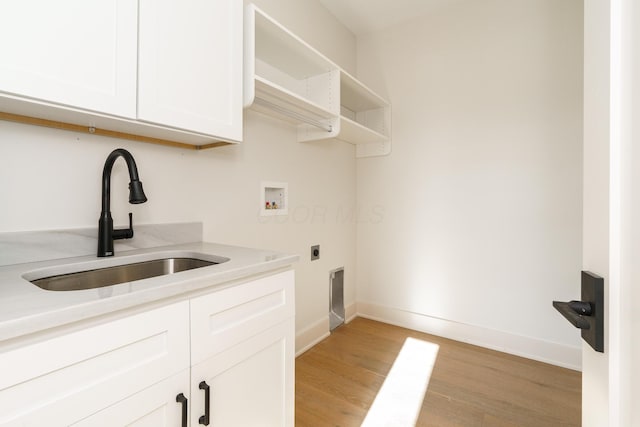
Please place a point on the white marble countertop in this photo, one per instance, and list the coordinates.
(26, 308)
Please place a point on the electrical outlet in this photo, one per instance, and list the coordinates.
(315, 252)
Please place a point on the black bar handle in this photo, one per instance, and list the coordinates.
(570, 310)
(588, 313)
(181, 399)
(124, 233)
(204, 419)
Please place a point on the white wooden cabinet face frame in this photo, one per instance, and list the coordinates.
(83, 53)
(200, 40)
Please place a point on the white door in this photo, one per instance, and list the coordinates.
(78, 53)
(611, 237)
(631, 222)
(190, 65)
(155, 406)
(249, 385)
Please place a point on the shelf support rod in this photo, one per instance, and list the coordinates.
(293, 114)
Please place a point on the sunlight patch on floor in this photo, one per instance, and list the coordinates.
(400, 398)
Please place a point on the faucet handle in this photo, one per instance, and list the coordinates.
(124, 233)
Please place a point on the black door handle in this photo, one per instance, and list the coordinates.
(573, 312)
(181, 399)
(204, 419)
(587, 314)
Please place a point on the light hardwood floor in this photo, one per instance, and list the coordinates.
(338, 379)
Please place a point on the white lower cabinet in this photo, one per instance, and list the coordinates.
(242, 348)
(228, 354)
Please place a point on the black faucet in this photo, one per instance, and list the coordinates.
(106, 233)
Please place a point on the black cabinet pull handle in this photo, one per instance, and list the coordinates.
(181, 399)
(204, 419)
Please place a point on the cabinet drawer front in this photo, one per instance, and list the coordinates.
(226, 318)
(66, 378)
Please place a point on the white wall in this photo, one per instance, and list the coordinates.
(51, 180)
(480, 201)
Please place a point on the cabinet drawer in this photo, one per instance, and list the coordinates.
(223, 319)
(67, 378)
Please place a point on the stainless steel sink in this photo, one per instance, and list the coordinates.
(119, 274)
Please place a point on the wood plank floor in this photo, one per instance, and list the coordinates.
(338, 379)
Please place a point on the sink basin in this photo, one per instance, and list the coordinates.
(108, 276)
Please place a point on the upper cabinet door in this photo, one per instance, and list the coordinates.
(190, 65)
(78, 53)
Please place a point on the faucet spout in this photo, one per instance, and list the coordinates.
(106, 233)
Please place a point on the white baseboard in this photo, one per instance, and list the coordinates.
(531, 348)
(318, 331)
(350, 312)
(312, 335)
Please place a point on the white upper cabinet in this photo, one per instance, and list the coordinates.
(77, 53)
(190, 65)
(163, 69)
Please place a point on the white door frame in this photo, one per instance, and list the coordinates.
(611, 49)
